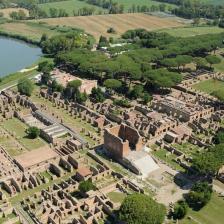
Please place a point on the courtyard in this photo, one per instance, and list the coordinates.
(17, 129)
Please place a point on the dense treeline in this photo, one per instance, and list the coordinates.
(154, 63)
(195, 9)
(65, 42)
(210, 162)
(49, 1)
(8, 3)
(112, 7)
(20, 15)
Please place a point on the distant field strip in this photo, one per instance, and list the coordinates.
(69, 6)
(192, 31)
(98, 25)
(129, 3)
(31, 30)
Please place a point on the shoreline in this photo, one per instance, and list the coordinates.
(20, 38)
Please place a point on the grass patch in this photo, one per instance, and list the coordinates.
(12, 79)
(192, 31)
(30, 30)
(169, 158)
(208, 86)
(129, 3)
(16, 126)
(69, 6)
(212, 213)
(7, 218)
(187, 148)
(116, 197)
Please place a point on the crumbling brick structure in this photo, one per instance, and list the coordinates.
(122, 139)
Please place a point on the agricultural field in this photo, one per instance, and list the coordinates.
(69, 6)
(30, 30)
(15, 126)
(211, 213)
(99, 24)
(6, 12)
(192, 31)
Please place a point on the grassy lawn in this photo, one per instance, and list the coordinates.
(192, 31)
(69, 6)
(12, 146)
(116, 197)
(167, 157)
(46, 174)
(12, 79)
(209, 86)
(187, 148)
(210, 214)
(19, 128)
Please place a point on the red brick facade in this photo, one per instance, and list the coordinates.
(121, 139)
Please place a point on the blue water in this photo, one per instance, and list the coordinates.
(16, 55)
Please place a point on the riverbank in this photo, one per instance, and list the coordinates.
(28, 72)
(12, 79)
(20, 37)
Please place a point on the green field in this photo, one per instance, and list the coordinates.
(210, 214)
(192, 31)
(30, 30)
(19, 128)
(128, 3)
(167, 157)
(69, 6)
(220, 67)
(116, 197)
(209, 86)
(216, 2)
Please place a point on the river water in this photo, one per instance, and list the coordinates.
(16, 55)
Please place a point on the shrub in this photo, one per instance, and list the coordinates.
(86, 186)
(111, 30)
(180, 210)
(199, 195)
(25, 86)
(33, 132)
(122, 103)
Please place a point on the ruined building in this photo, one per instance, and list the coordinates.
(120, 140)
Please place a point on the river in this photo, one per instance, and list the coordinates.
(16, 55)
